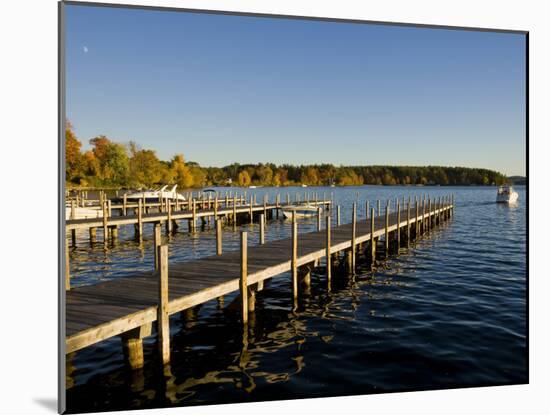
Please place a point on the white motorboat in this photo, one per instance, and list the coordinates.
(83, 212)
(303, 211)
(156, 194)
(506, 194)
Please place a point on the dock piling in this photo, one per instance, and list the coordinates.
(294, 257)
(243, 283)
(328, 244)
(262, 229)
(353, 236)
(163, 319)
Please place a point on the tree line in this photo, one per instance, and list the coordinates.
(112, 164)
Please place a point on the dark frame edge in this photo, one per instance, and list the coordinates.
(286, 16)
(527, 287)
(61, 360)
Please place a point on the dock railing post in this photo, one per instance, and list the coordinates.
(416, 224)
(328, 245)
(67, 266)
(163, 318)
(294, 258)
(251, 211)
(194, 216)
(235, 212)
(168, 216)
(157, 241)
(218, 236)
(124, 203)
(338, 215)
(367, 208)
(398, 235)
(262, 229)
(379, 211)
(353, 236)
(372, 241)
(140, 220)
(423, 215)
(387, 234)
(408, 223)
(105, 228)
(243, 283)
(319, 219)
(429, 213)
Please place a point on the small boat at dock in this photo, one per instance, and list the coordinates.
(303, 211)
(506, 194)
(153, 195)
(82, 212)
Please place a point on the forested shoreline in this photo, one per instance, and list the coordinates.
(112, 164)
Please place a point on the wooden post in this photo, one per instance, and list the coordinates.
(163, 319)
(251, 211)
(429, 213)
(387, 241)
(398, 226)
(408, 223)
(218, 223)
(169, 217)
(157, 241)
(294, 257)
(140, 220)
(132, 343)
(194, 216)
(105, 228)
(67, 266)
(423, 215)
(235, 212)
(262, 229)
(367, 208)
(319, 219)
(416, 224)
(328, 245)
(288, 199)
(372, 241)
(338, 215)
(243, 283)
(378, 201)
(124, 202)
(73, 209)
(92, 233)
(353, 236)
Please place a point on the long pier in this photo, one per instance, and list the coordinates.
(170, 211)
(128, 307)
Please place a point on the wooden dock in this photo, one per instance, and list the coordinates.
(128, 307)
(233, 210)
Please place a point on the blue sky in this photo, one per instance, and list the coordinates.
(223, 89)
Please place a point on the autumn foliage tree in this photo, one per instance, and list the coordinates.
(108, 163)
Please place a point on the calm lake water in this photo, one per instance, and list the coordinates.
(450, 312)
